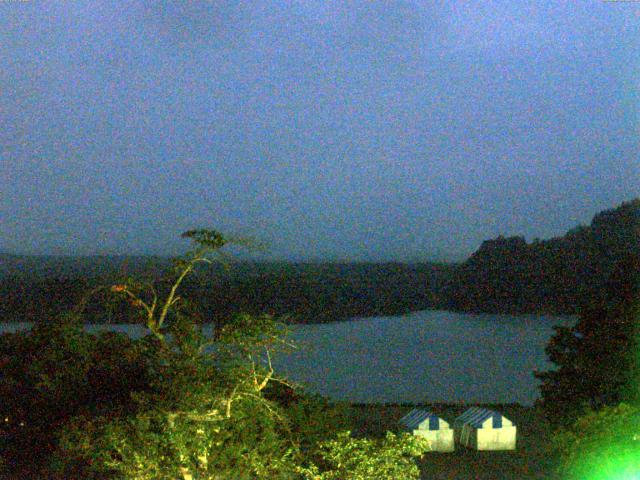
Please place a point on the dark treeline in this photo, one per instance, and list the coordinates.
(559, 275)
(303, 292)
(505, 275)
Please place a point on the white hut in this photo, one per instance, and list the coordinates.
(427, 425)
(485, 429)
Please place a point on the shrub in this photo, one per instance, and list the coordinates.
(198, 420)
(348, 458)
(55, 372)
(602, 444)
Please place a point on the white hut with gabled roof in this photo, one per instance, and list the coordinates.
(484, 429)
(425, 424)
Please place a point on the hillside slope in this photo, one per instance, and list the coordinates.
(509, 275)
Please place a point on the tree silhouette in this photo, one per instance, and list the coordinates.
(597, 359)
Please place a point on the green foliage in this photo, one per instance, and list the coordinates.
(313, 419)
(247, 332)
(348, 458)
(209, 239)
(597, 359)
(56, 371)
(169, 443)
(175, 404)
(204, 414)
(603, 444)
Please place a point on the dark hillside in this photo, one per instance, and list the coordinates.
(50, 266)
(306, 292)
(509, 275)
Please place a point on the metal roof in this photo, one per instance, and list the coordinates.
(476, 416)
(415, 417)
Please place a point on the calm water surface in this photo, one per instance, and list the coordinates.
(427, 356)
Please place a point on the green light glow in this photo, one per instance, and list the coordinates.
(613, 462)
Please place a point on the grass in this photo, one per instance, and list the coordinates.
(530, 460)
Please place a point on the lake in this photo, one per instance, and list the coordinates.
(426, 356)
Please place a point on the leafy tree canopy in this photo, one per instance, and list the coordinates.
(176, 403)
(597, 360)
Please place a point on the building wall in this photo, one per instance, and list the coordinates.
(487, 438)
(466, 435)
(440, 440)
(499, 439)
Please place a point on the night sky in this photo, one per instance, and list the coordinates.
(406, 130)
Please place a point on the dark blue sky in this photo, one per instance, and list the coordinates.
(328, 129)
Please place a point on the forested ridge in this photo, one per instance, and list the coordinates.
(304, 292)
(559, 275)
(505, 275)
